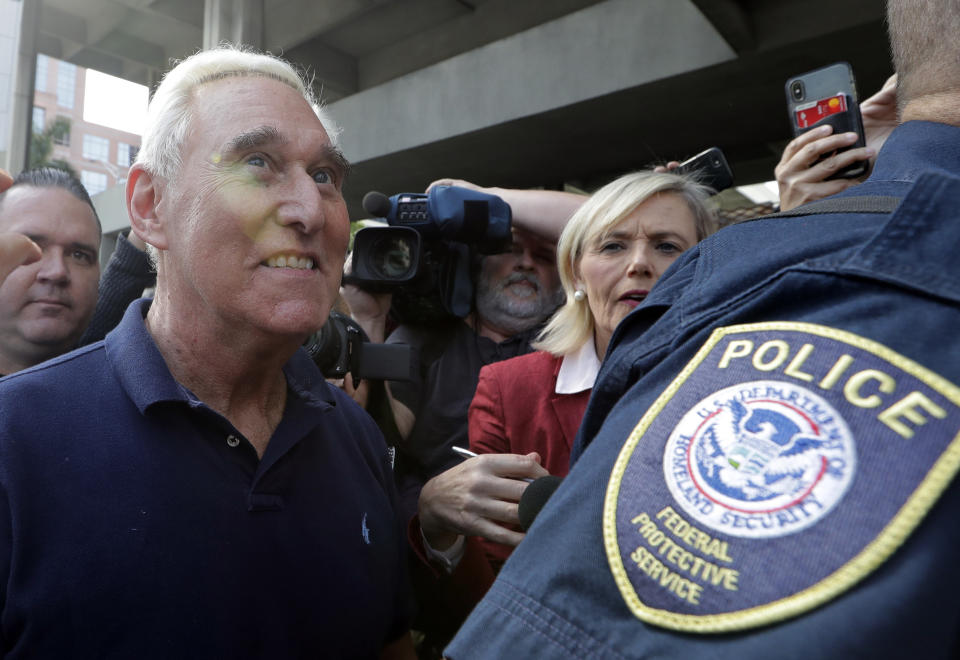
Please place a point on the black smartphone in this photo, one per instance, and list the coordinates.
(827, 96)
(708, 167)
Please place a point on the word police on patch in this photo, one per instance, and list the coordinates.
(785, 463)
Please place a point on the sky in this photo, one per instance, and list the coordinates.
(114, 102)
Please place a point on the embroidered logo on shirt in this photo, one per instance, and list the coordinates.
(364, 530)
(783, 465)
(759, 459)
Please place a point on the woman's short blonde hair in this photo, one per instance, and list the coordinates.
(573, 323)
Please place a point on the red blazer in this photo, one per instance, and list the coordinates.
(516, 410)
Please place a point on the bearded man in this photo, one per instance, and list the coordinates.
(516, 292)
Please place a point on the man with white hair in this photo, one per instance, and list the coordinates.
(191, 486)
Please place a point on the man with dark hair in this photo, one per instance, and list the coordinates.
(45, 305)
(767, 467)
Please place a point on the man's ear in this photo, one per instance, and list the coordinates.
(144, 193)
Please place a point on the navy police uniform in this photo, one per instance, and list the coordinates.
(766, 467)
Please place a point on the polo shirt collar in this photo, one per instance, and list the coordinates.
(143, 373)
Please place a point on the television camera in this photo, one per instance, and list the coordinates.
(429, 248)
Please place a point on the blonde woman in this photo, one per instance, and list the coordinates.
(611, 253)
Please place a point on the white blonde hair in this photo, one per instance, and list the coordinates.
(168, 114)
(573, 323)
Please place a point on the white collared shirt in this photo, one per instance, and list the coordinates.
(578, 371)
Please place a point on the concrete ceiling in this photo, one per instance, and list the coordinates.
(354, 45)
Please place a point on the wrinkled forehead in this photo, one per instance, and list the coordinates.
(223, 110)
(661, 214)
(228, 96)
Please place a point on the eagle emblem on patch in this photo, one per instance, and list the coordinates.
(784, 464)
(760, 459)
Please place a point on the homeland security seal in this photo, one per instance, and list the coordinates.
(781, 466)
(760, 459)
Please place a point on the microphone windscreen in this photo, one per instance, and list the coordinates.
(535, 497)
(376, 204)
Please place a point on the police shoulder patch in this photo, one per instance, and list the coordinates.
(785, 463)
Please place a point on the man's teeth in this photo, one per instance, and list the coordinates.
(290, 262)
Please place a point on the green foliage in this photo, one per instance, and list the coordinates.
(355, 226)
(41, 146)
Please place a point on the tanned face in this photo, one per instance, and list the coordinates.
(46, 305)
(257, 225)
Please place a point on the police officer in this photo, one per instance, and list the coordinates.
(767, 465)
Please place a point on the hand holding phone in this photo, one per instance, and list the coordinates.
(828, 96)
(708, 167)
(804, 171)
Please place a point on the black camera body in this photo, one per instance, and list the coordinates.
(428, 248)
(341, 347)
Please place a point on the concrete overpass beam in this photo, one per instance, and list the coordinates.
(607, 47)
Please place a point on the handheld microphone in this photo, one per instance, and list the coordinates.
(535, 497)
(376, 204)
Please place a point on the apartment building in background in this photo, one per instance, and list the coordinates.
(100, 155)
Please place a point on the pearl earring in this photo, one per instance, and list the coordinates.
(579, 295)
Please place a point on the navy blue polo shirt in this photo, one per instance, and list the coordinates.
(136, 522)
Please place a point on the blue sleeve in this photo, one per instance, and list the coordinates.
(127, 274)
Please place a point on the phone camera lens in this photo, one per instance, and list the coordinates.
(796, 90)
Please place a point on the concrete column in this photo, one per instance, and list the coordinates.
(24, 79)
(236, 21)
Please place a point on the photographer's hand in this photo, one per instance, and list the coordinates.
(370, 312)
(15, 249)
(672, 165)
(359, 394)
(368, 309)
(541, 212)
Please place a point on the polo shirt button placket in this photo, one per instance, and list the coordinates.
(233, 441)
